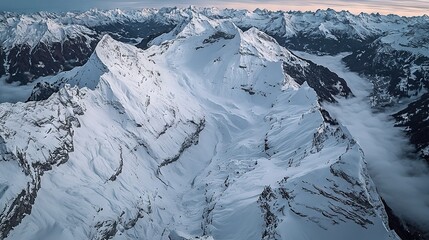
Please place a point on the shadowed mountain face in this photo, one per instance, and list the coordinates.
(415, 120)
(200, 104)
(24, 62)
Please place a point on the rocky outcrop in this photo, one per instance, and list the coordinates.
(26, 63)
(327, 84)
(395, 74)
(190, 140)
(415, 120)
(42, 91)
(35, 167)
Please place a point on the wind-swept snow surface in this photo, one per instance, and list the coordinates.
(400, 176)
(204, 135)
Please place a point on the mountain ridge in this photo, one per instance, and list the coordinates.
(184, 156)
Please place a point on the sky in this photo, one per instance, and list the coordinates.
(400, 7)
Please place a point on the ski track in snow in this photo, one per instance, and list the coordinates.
(400, 176)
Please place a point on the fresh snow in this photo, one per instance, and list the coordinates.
(201, 135)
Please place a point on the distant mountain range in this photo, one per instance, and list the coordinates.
(200, 123)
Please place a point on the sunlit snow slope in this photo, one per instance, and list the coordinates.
(208, 133)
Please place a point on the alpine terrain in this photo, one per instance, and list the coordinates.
(201, 123)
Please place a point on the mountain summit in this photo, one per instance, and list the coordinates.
(201, 123)
(210, 133)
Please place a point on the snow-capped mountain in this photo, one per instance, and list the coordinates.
(44, 44)
(227, 143)
(393, 51)
(198, 123)
(26, 37)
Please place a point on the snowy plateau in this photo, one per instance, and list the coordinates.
(201, 123)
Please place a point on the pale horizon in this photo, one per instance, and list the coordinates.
(385, 7)
(359, 8)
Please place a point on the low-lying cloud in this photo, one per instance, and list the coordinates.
(13, 92)
(400, 176)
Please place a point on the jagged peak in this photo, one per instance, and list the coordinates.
(108, 54)
(34, 29)
(250, 42)
(111, 52)
(256, 42)
(106, 42)
(206, 31)
(262, 11)
(259, 33)
(197, 25)
(193, 8)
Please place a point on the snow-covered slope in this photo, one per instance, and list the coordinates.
(205, 135)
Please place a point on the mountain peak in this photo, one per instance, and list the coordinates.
(32, 30)
(111, 52)
(197, 25)
(106, 43)
(108, 54)
(177, 139)
(254, 41)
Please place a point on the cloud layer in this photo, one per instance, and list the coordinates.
(407, 8)
(400, 176)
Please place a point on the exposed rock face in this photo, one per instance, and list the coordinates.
(326, 83)
(58, 117)
(403, 231)
(42, 91)
(2, 58)
(416, 122)
(26, 63)
(395, 74)
(41, 45)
